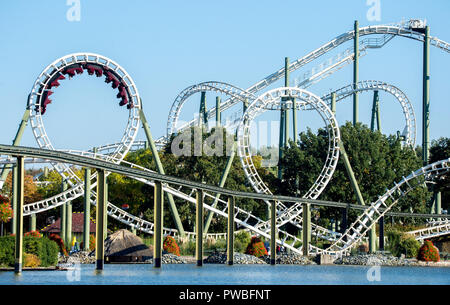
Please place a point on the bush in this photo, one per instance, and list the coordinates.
(188, 248)
(428, 252)
(43, 248)
(256, 247)
(33, 234)
(241, 240)
(31, 260)
(402, 243)
(7, 246)
(92, 242)
(170, 245)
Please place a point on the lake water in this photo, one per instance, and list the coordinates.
(212, 274)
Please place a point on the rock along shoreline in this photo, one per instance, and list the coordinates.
(281, 259)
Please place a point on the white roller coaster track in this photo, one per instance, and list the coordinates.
(273, 100)
(230, 90)
(372, 85)
(41, 87)
(372, 214)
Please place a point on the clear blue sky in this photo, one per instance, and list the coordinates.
(168, 45)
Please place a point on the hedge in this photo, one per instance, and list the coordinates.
(45, 249)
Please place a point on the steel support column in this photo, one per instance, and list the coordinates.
(14, 199)
(355, 72)
(230, 231)
(294, 121)
(63, 221)
(69, 224)
(381, 233)
(333, 102)
(218, 113)
(19, 190)
(306, 228)
(158, 221)
(202, 111)
(426, 98)
(33, 222)
(100, 217)
(374, 111)
(87, 208)
(273, 232)
(199, 227)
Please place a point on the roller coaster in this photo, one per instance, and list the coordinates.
(110, 158)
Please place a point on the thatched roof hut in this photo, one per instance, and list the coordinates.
(124, 246)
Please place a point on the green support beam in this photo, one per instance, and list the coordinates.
(273, 232)
(160, 169)
(63, 222)
(69, 224)
(245, 106)
(100, 217)
(286, 112)
(23, 124)
(223, 179)
(374, 110)
(202, 111)
(19, 190)
(158, 222)
(294, 120)
(306, 228)
(230, 231)
(33, 222)
(355, 72)
(426, 98)
(218, 113)
(359, 198)
(87, 208)
(199, 228)
(14, 200)
(351, 175)
(333, 102)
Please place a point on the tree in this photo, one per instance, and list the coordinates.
(440, 150)
(6, 212)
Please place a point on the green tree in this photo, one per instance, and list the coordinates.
(440, 150)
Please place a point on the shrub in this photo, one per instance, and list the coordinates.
(31, 260)
(241, 240)
(7, 246)
(92, 242)
(44, 249)
(402, 243)
(187, 248)
(170, 245)
(33, 234)
(256, 247)
(428, 252)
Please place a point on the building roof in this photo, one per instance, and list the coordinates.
(77, 224)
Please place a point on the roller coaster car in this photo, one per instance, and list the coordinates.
(78, 69)
(92, 68)
(111, 78)
(54, 81)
